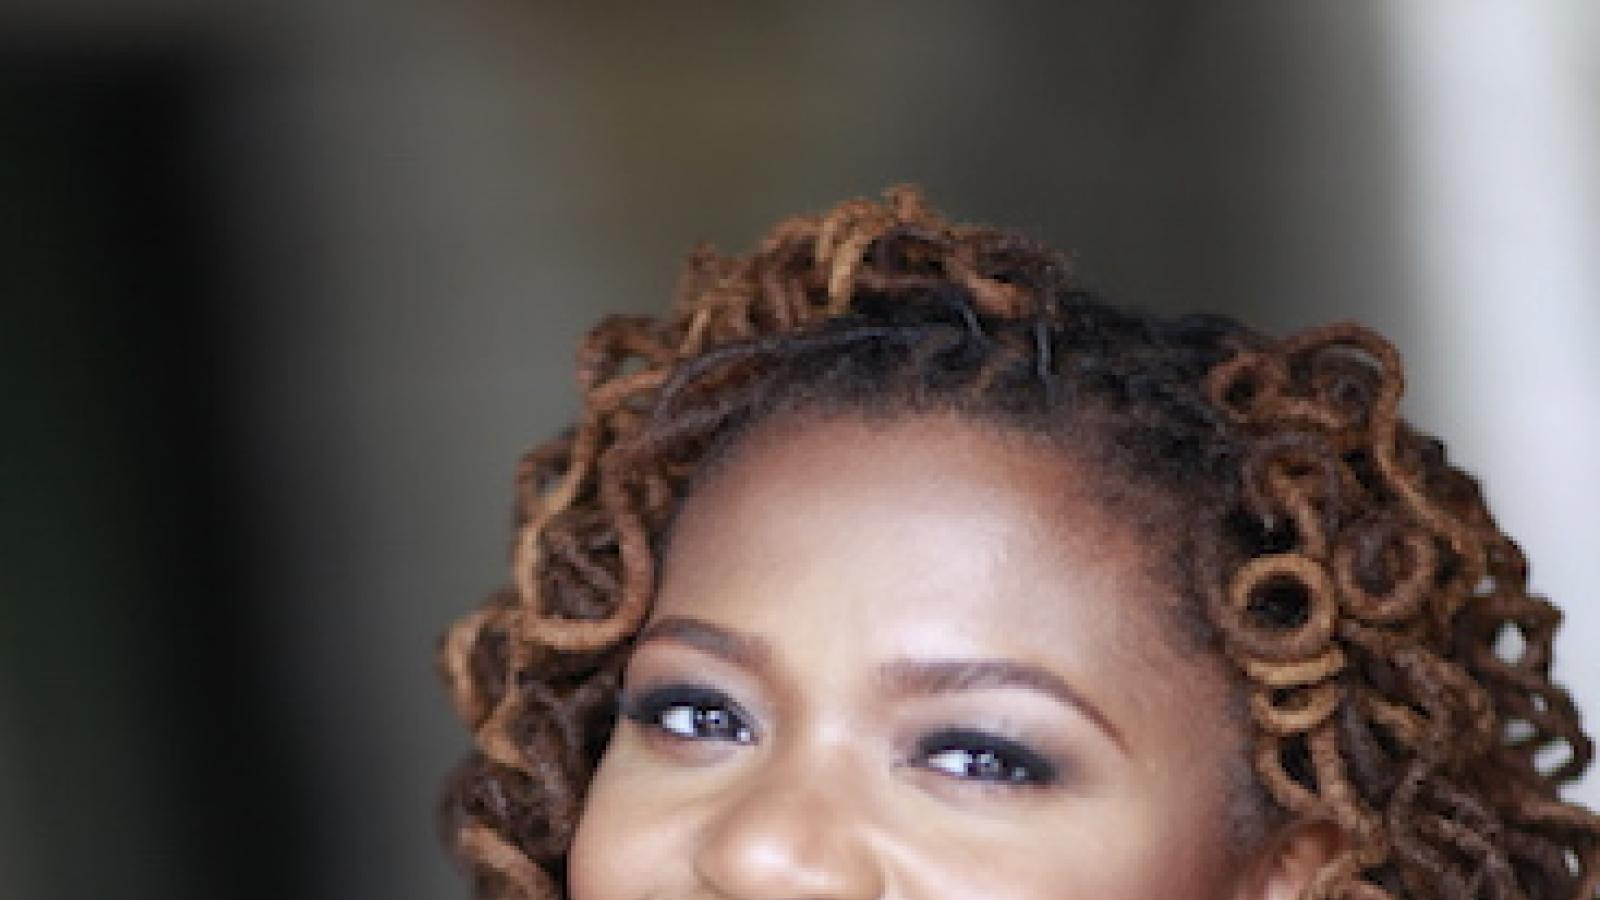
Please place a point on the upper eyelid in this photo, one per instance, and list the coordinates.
(968, 737)
(668, 669)
(685, 691)
(633, 701)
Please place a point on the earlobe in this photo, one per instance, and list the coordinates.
(1289, 862)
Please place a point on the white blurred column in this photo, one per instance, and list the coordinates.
(1498, 109)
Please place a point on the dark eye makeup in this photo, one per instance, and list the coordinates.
(974, 755)
(692, 712)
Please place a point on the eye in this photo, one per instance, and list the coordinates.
(974, 755)
(690, 712)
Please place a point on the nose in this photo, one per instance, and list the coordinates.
(787, 834)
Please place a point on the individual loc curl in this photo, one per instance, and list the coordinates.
(1392, 667)
(1385, 571)
(1279, 608)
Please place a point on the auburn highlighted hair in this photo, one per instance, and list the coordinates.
(1392, 668)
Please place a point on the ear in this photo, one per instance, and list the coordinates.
(1289, 861)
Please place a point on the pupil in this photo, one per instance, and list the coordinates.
(988, 765)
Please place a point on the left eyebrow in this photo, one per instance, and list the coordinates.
(915, 677)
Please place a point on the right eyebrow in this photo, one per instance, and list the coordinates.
(747, 651)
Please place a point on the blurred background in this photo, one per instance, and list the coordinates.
(287, 286)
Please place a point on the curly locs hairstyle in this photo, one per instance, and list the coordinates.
(1394, 668)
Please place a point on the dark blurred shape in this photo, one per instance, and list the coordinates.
(147, 756)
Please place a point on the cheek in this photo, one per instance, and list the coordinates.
(1102, 850)
(1150, 852)
(622, 850)
(605, 835)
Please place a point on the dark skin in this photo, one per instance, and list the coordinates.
(914, 660)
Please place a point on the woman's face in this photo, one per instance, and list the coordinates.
(910, 660)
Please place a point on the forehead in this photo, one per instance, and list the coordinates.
(926, 536)
(931, 481)
(905, 467)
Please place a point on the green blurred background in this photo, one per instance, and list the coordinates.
(287, 286)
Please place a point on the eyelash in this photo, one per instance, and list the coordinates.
(984, 757)
(689, 712)
(697, 714)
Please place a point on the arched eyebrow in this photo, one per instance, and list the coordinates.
(916, 677)
(902, 677)
(747, 651)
